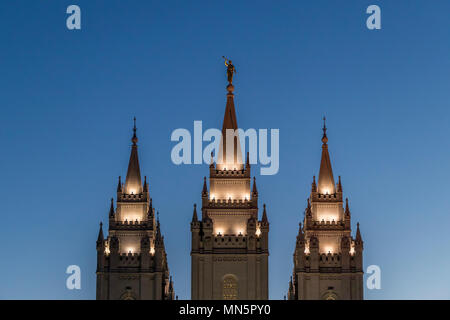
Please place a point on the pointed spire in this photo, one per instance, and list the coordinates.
(119, 185)
(145, 184)
(247, 161)
(339, 186)
(211, 165)
(326, 180)
(194, 215)
(111, 209)
(205, 187)
(133, 183)
(255, 190)
(100, 234)
(308, 208)
(230, 122)
(159, 238)
(134, 139)
(313, 185)
(264, 216)
(358, 234)
(150, 208)
(301, 236)
(347, 208)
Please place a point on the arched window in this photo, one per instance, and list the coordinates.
(230, 287)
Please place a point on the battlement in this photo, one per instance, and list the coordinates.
(229, 173)
(124, 197)
(315, 196)
(230, 203)
(129, 259)
(330, 260)
(130, 225)
(329, 225)
(230, 241)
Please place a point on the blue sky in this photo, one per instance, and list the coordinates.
(68, 98)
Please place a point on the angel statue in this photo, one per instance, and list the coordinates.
(231, 70)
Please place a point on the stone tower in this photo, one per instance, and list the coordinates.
(328, 262)
(230, 251)
(132, 260)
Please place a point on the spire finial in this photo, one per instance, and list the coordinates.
(231, 71)
(119, 185)
(264, 217)
(100, 237)
(194, 214)
(358, 234)
(134, 139)
(211, 165)
(205, 187)
(145, 184)
(111, 209)
(347, 208)
(324, 137)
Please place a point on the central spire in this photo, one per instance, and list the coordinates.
(230, 122)
(133, 183)
(326, 180)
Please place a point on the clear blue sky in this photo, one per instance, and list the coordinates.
(67, 99)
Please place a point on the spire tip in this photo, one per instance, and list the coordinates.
(134, 139)
(324, 137)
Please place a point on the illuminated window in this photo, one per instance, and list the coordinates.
(230, 288)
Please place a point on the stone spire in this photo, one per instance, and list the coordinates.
(119, 185)
(133, 183)
(358, 234)
(150, 209)
(100, 234)
(326, 180)
(347, 208)
(194, 215)
(230, 122)
(205, 187)
(301, 235)
(145, 184)
(264, 216)
(111, 209)
(211, 164)
(255, 190)
(339, 185)
(308, 208)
